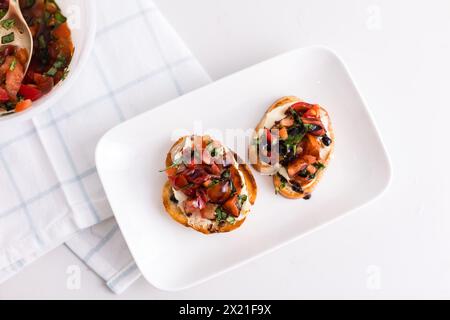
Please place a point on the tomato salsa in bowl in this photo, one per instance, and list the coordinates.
(58, 53)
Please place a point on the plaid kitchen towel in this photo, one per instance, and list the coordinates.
(50, 192)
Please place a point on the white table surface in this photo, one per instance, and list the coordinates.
(397, 247)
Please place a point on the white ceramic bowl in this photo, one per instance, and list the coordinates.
(81, 14)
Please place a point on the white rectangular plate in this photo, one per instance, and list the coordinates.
(173, 257)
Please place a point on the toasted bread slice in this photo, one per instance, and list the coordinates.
(286, 189)
(179, 216)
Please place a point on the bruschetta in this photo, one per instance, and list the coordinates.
(294, 143)
(209, 189)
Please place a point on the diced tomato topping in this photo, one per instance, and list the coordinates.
(3, 95)
(38, 9)
(311, 169)
(171, 172)
(189, 191)
(312, 146)
(283, 133)
(310, 159)
(320, 131)
(301, 107)
(8, 51)
(220, 192)
(191, 205)
(311, 113)
(22, 55)
(197, 175)
(209, 211)
(62, 31)
(179, 182)
(287, 122)
(45, 84)
(30, 92)
(207, 186)
(23, 105)
(231, 207)
(14, 78)
(214, 169)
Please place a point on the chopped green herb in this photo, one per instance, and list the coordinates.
(173, 165)
(282, 184)
(303, 173)
(295, 139)
(42, 42)
(231, 220)
(13, 64)
(295, 135)
(296, 116)
(66, 73)
(51, 72)
(47, 16)
(277, 190)
(294, 149)
(220, 215)
(8, 23)
(60, 18)
(59, 63)
(233, 187)
(8, 38)
(319, 165)
(242, 198)
(189, 185)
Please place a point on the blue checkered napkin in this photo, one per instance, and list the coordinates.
(49, 187)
